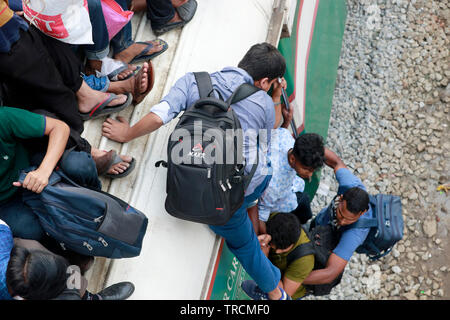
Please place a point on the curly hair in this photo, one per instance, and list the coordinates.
(284, 228)
(309, 150)
(357, 200)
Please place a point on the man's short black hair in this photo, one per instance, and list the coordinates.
(357, 200)
(309, 150)
(263, 60)
(284, 229)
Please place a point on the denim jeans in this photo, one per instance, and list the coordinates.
(100, 37)
(159, 12)
(241, 239)
(100, 48)
(21, 220)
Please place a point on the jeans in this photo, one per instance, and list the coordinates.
(241, 239)
(21, 220)
(100, 36)
(159, 12)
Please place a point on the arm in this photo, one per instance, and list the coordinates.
(276, 98)
(287, 116)
(253, 215)
(335, 266)
(120, 130)
(333, 161)
(58, 133)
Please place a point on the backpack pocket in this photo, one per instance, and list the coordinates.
(193, 192)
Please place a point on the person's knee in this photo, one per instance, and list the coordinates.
(80, 167)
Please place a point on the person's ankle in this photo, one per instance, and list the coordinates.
(275, 294)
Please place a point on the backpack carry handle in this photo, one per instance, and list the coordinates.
(212, 102)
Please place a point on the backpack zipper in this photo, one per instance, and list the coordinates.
(76, 212)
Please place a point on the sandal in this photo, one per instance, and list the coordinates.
(102, 108)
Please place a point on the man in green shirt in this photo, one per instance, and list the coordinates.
(284, 234)
(17, 125)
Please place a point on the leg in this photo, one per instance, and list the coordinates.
(160, 12)
(243, 242)
(33, 80)
(81, 168)
(125, 49)
(22, 221)
(303, 211)
(100, 48)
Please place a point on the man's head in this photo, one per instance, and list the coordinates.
(264, 63)
(307, 155)
(352, 204)
(284, 228)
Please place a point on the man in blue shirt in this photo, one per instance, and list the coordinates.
(261, 66)
(291, 160)
(352, 205)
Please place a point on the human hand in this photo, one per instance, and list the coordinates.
(116, 130)
(35, 180)
(277, 89)
(264, 239)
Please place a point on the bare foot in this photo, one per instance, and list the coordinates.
(117, 168)
(88, 98)
(137, 84)
(136, 48)
(96, 65)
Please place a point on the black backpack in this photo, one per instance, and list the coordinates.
(386, 229)
(323, 240)
(198, 188)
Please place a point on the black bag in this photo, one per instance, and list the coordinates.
(200, 189)
(323, 241)
(90, 222)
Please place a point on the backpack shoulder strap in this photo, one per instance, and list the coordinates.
(302, 250)
(364, 223)
(243, 91)
(204, 84)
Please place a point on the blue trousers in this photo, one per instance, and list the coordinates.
(159, 12)
(100, 36)
(79, 166)
(241, 239)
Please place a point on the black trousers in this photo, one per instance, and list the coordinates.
(303, 211)
(42, 73)
(159, 12)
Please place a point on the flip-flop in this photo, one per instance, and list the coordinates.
(113, 76)
(143, 56)
(168, 26)
(118, 159)
(105, 162)
(187, 10)
(102, 109)
(138, 97)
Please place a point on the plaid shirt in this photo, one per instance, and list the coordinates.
(6, 245)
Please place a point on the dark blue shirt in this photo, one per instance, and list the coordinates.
(9, 33)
